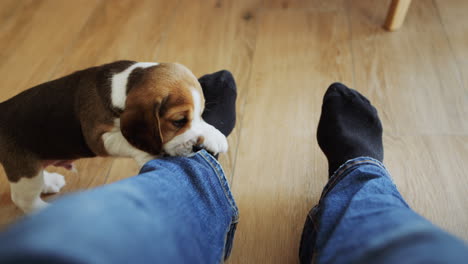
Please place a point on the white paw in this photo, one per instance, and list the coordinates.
(53, 182)
(182, 145)
(26, 193)
(215, 141)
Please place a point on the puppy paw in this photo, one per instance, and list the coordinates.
(215, 141)
(53, 182)
(210, 138)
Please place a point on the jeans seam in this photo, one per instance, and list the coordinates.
(227, 193)
(226, 238)
(336, 177)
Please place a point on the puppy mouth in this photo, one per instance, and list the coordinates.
(184, 149)
(197, 148)
(185, 145)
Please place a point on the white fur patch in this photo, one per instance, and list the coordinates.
(182, 144)
(215, 141)
(116, 145)
(53, 182)
(197, 107)
(26, 193)
(119, 83)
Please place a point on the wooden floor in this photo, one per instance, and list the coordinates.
(283, 54)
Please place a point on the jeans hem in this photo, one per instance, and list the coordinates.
(216, 166)
(307, 253)
(343, 170)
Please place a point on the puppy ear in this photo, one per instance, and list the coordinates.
(140, 125)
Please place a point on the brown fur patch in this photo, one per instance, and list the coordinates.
(65, 118)
(61, 119)
(161, 97)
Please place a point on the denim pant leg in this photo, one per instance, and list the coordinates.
(362, 218)
(177, 210)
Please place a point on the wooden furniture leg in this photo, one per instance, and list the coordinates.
(396, 14)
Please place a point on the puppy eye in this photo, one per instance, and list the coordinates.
(180, 122)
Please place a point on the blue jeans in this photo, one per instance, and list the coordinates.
(180, 210)
(362, 218)
(177, 210)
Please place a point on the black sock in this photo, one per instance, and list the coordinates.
(349, 127)
(220, 92)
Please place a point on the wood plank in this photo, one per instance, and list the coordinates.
(410, 75)
(454, 21)
(8, 11)
(33, 41)
(284, 54)
(430, 178)
(120, 30)
(309, 4)
(280, 170)
(208, 36)
(413, 78)
(38, 28)
(244, 17)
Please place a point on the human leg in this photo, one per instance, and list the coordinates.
(361, 217)
(177, 210)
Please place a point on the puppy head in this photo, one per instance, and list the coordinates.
(163, 112)
(160, 106)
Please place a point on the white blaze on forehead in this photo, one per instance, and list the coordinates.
(197, 106)
(119, 83)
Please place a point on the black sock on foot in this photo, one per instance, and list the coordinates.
(220, 92)
(349, 127)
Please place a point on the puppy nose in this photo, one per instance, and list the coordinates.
(197, 148)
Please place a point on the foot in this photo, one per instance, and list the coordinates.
(26, 192)
(220, 93)
(53, 182)
(349, 127)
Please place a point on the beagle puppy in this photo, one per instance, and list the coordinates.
(125, 108)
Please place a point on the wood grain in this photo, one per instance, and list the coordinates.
(301, 4)
(223, 40)
(414, 77)
(279, 169)
(33, 40)
(428, 176)
(406, 71)
(283, 54)
(454, 20)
